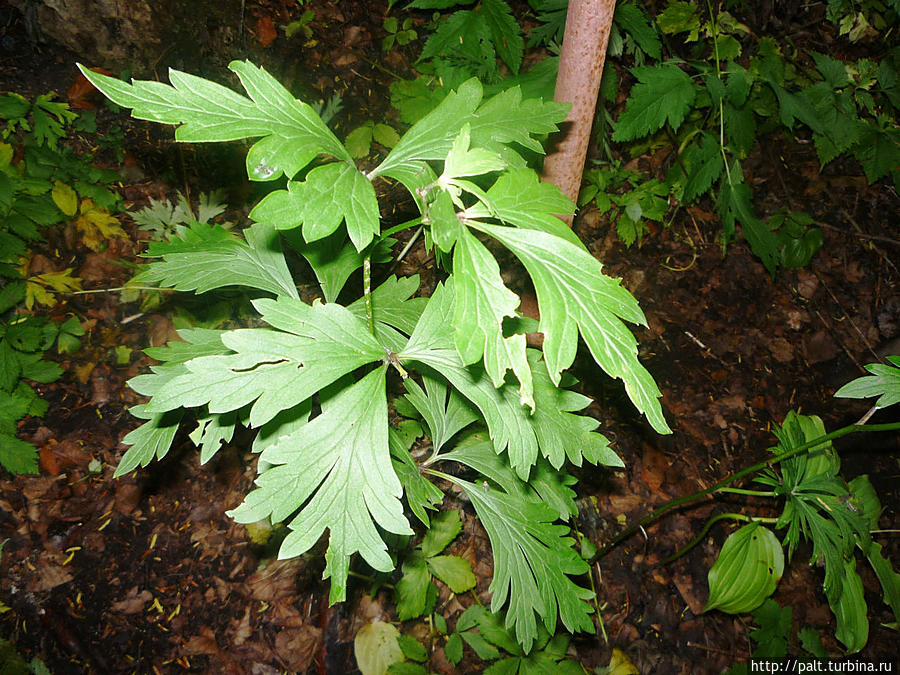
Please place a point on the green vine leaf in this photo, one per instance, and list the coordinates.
(706, 164)
(735, 206)
(337, 468)
(506, 34)
(887, 577)
(293, 134)
(204, 257)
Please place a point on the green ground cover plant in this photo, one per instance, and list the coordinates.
(317, 379)
(43, 183)
(706, 87)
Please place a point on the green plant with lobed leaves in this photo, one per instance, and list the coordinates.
(713, 102)
(837, 517)
(43, 183)
(706, 87)
(317, 379)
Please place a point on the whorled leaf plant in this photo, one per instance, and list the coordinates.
(314, 380)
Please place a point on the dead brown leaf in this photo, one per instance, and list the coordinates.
(133, 602)
(298, 646)
(266, 33)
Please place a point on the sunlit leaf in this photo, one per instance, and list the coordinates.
(337, 468)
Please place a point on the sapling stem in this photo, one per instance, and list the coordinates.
(681, 501)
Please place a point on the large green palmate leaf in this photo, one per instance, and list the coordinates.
(293, 134)
(329, 194)
(494, 124)
(203, 257)
(507, 420)
(149, 441)
(512, 427)
(551, 486)
(443, 409)
(575, 297)
(312, 346)
(482, 302)
(533, 559)
(519, 198)
(337, 468)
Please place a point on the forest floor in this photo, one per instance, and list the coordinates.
(146, 573)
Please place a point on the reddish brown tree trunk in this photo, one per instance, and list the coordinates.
(580, 67)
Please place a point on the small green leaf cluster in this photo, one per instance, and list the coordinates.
(301, 25)
(40, 183)
(711, 103)
(820, 507)
(313, 378)
(468, 42)
(398, 33)
(864, 20)
(163, 218)
(773, 635)
(485, 633)
(14, 664)
(628, 200)
(23, 341)
(416, 593)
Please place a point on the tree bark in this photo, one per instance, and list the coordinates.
(580, 68)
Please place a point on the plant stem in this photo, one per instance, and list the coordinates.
(367, 291)
(117, 289)
(681, 501)
(399, 228)
(749, 493)
(709, 523)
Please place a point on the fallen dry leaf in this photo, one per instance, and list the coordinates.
(133, 602)
(82, 94)
(266, 31)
